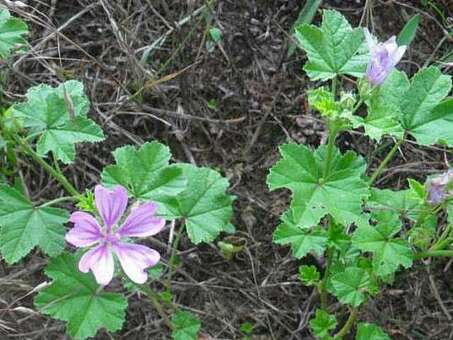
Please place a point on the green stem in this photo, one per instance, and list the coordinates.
(347, 326)
(443, 240)
(434, 253)
(357, 106)
(57, 200)
(334, 87)
(422, 217)
(322, 285)
(330, 147)
(46, 166)
(332, 133)
(174, 249)
(441, 244)
(323, 293)
(154, 298)
(384, 163)
(333, 128)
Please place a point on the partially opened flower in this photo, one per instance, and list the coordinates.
(383, 58)
(110, 237)
(438, 188)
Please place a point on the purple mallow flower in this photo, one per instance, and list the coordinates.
(384, 57)
(109, 239)
(438, 188)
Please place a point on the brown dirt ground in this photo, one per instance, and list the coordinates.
(260, 104)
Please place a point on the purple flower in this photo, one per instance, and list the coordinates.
(134, 258)
(437, 188)
(384, 57)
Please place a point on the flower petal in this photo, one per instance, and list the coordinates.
(370, 40)
(100, 261)
(111, 204)
(141, 222)
(390, 45)
(398, 54)
(383, 58)
(436, 193)
(379, 66)
(134, 259)
(86, 230)
(437, 187)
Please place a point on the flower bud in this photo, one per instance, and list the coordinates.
(438, 188)
(347, 100)
(383, 58)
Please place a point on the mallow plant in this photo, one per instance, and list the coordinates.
(96, 241)
(358, 236)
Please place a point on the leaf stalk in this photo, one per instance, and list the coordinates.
(46, 166)
(384, 163)
(332, 128)
(348, 324)
(57, 200)
(172, 259)
(154, 298)
(434, 253)
(322, 285)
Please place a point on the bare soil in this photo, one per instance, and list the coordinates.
(228, 108)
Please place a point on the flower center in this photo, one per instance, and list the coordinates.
(110, 238)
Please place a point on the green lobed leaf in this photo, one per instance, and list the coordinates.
(309, 275)
(185, 326)
(75, 297)
(58, 117)
(204, 204)
(436, 128)
(417, 107)
(24, 226)
(334, 48)
(60, 140)
(389, 252)
(340, 194)
(424, 115)
(347, 257)
(369, 331)
(402, 203)
(322, 324)
(350, 286)
(337, 238)
(417, 188)
(302, 241)
(11, 33)
(384, 108)
(146, 173)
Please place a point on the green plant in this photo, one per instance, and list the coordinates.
(46, 128)
(335, 210)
